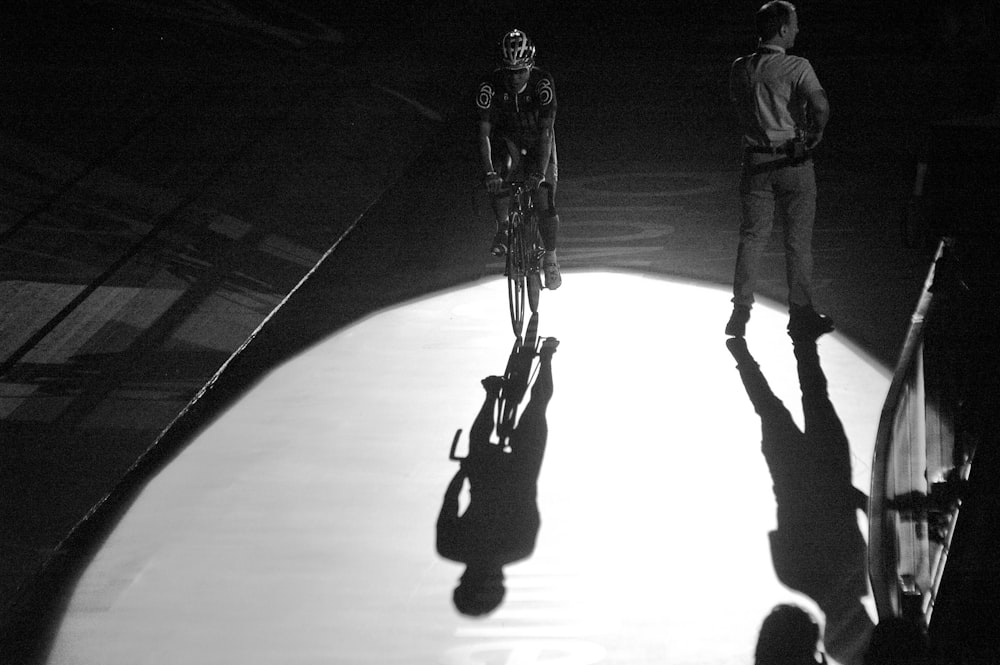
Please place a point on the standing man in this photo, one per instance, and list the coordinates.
(517, 114)
(782, 111)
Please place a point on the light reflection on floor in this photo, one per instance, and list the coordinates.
(299, 527)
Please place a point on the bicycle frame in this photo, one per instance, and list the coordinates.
(524, 252)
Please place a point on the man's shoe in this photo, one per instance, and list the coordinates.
(737, 326)
(499, 247)
(553, 280)
(805, 323)
(549, 345)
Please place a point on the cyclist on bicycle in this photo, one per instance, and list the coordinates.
(517, 107)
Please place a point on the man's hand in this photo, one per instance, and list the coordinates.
(493, 183)
(534, 181)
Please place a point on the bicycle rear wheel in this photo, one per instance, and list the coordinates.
(516, 281)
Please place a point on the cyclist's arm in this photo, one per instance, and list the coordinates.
(545, 145)
(486, 147)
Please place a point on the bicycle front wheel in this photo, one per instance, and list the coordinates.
(516, 288)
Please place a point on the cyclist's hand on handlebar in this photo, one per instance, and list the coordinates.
(493, 183)
(534, 181)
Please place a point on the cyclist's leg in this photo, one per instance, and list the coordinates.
(545, 203)
(512, 165)
(500, 203)
(544, 199)
(548, 221)
(532, 431)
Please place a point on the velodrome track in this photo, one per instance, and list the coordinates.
(250, 155)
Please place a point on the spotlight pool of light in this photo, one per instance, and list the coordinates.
(299, 527)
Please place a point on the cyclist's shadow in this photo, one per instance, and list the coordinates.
(500, 523)
(818, 548)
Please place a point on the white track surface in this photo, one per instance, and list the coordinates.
(299, 527)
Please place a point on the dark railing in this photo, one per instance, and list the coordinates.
(918, 468)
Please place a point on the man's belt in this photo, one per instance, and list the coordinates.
(765, 150)
(791, 153)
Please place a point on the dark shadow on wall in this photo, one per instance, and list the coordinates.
(500, 523)
(818, 548)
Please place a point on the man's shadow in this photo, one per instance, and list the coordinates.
(818, 548)
(500, 523)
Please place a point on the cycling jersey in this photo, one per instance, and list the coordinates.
(517, 117)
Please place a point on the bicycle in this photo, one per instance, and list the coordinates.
(512, 387)
(524, 254)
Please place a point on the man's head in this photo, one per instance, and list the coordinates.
(517, 57)
(788, 636)
(777, 23)
(480, 591)
(517, 51)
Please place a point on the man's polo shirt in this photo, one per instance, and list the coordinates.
(771, 90)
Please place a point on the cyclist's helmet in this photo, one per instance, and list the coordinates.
(517, 51)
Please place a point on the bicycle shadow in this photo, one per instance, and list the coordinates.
(818, 548)
(500, 523)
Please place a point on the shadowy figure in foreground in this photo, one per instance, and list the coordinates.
(501, 522)
(818, 548)
(789, 635)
